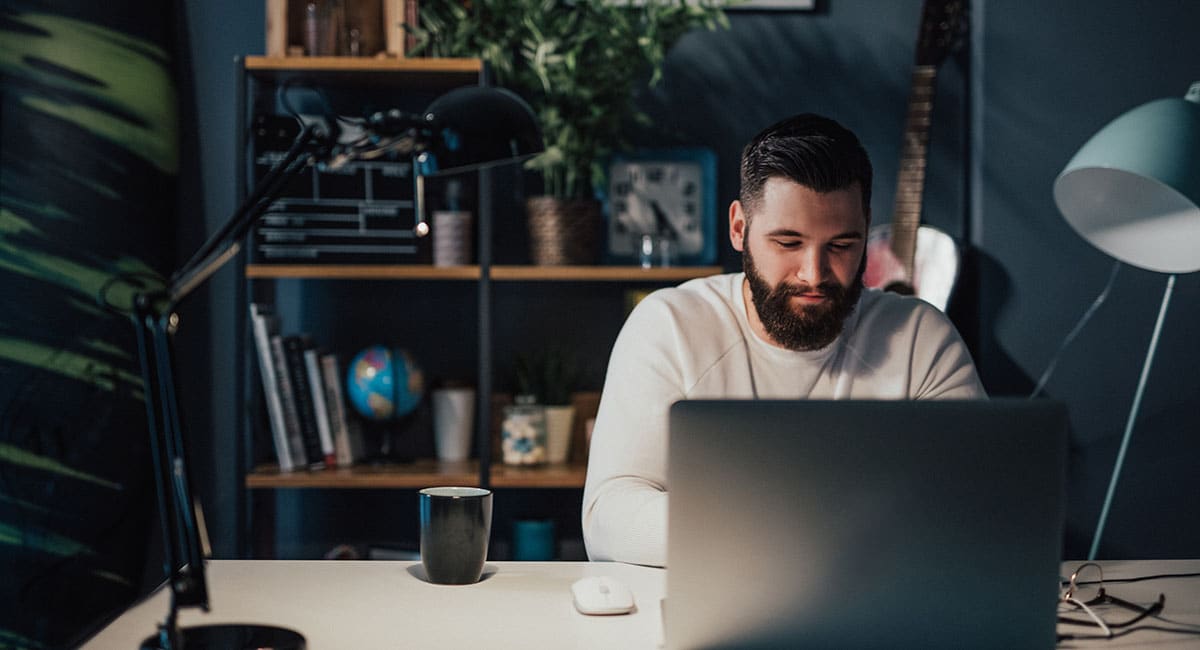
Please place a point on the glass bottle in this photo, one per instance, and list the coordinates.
(523, 432)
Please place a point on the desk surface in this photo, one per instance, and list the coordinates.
(347, 604)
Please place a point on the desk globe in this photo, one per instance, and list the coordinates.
(384, 383)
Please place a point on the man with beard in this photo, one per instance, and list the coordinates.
(795, 324)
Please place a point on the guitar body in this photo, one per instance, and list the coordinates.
(935, 265)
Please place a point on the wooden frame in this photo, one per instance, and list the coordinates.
(378, 23)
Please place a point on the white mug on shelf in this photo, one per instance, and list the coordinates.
(453, 415)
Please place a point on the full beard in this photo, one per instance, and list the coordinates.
(808, 327)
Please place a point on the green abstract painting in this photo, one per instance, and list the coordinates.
(88, 118)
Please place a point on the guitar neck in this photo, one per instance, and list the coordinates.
(910, 184)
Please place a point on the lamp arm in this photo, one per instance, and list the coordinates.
(226, 242)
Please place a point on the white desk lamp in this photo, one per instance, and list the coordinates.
(1133, 191)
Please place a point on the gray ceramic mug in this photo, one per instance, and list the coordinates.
(456, 523)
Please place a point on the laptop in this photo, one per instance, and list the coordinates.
(864, 524)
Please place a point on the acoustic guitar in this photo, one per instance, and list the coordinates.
(905, 256)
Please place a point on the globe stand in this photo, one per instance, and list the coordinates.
(383, 436)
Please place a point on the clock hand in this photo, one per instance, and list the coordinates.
(663, 224)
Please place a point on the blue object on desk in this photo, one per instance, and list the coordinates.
(533, 540)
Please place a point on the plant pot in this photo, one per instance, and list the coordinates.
(559, 421)
(563, 231)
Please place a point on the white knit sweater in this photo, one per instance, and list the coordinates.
(694, 341)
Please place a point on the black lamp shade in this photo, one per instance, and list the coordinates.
(479, 126)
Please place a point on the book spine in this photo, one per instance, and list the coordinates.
(393, 16)
(412, 17)
(287, 398)
(336, 408)
(262, 324)
(316, 387)
(293, 346)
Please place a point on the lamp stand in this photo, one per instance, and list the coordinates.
(507, 132)
(1133, 411)
(185, 545)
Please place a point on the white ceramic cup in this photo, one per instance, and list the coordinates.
(453, 417)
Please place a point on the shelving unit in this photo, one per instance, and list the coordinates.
(432, 76)
(426, 472)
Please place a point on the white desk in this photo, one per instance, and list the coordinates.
(349, 604)
(344, 604)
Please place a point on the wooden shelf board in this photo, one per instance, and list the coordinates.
(363, 271)
(566, 475)
(610, 273)
(498, 273)
(363, 64)
(420, 473)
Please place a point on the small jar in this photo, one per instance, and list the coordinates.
(523, 433)
(657, 250)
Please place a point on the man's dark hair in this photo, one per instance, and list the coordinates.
(808, 149)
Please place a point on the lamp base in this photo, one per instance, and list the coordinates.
(231, 637)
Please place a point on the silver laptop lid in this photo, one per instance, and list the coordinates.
(864, 524)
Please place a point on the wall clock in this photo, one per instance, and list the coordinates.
(665, 192)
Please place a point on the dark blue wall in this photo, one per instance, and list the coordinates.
(1049, 76)
(1034, 82)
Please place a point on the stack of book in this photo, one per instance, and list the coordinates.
(306, 407)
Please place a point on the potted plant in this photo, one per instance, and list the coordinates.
(578, 64)
(550, 375)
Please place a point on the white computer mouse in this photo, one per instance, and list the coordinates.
(602, 595)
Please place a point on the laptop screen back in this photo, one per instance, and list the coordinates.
(868, 524)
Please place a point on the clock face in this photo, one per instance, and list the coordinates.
(670, 196)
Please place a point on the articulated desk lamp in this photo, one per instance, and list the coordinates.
(466, 129)
(1133, 191)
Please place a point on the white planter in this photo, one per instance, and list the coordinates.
(559, 421)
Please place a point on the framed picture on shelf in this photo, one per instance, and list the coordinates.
(662, 207)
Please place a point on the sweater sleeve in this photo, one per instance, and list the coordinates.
(941, 364)
(624, 512)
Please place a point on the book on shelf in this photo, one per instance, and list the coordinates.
(264, 324)
(316, 386)
(293, 347)
(347, 443)
(287, 399)
(412, 18)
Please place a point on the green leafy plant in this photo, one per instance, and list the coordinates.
(578, 63)
(549, 374)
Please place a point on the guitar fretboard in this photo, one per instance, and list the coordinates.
(910, 184)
